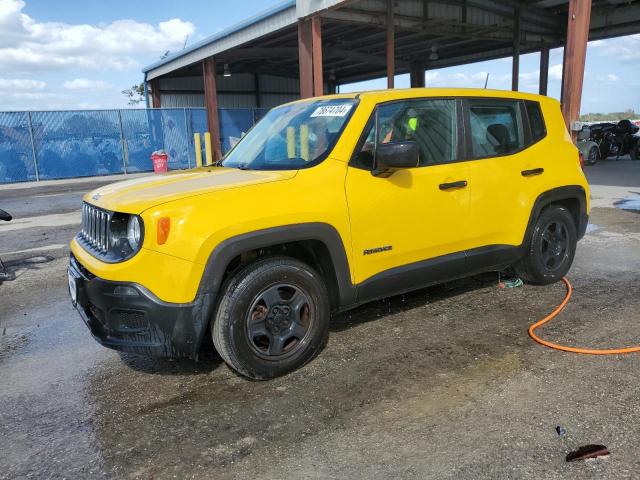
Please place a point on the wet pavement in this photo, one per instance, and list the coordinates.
(440, 383)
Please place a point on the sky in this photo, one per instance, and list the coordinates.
(71, 54)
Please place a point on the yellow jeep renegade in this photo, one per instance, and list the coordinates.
(325, 204)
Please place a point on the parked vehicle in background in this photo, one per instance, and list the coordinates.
(328, 203)
(616, 139)
(588, 148)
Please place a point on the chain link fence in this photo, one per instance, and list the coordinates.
(66, 144)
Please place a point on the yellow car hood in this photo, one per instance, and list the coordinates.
(139, 194)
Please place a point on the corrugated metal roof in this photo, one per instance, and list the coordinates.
(285, 9)
(354, 35)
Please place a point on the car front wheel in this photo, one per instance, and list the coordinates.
(273, 318)
(551, 247)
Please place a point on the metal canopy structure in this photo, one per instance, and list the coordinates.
(319, 44)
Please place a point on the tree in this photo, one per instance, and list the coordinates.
(609, 117)
(135, 94)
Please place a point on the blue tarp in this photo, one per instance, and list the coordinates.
(65, 144)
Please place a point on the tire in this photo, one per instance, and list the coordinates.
(551, 247)
(635, 151)
(272, 318)
(593, 155)
(604, 152)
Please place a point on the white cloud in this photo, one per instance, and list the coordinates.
(30, 46)
(86, 84)
(8, 85)
(622, 48)
(555, 72)
(437, 79)
(612, 77)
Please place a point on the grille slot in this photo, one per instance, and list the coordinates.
(95, 227)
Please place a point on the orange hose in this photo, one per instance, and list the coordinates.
(588, 351)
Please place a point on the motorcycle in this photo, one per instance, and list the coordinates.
(616, 139)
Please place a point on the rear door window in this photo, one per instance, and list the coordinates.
(496, 127)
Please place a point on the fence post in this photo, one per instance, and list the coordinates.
(123, 143)
(33, 148)
(188, 136)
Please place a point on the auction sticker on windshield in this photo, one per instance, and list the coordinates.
(332, 110)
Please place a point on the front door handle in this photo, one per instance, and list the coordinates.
(532, 172)
(450, 185)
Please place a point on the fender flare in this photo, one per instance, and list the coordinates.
(230, 248)
(569, 192)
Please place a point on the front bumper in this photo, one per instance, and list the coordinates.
(128, 317)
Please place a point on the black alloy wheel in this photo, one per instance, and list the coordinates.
(279, 320)
(554, 245)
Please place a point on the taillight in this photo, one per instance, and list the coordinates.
(581, 158)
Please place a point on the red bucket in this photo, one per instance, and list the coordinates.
(160, 162)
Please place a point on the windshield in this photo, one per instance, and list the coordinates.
(292, 136)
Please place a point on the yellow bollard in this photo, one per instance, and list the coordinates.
(304, 142)
(207, 148)
(198, 148)
(291, 142)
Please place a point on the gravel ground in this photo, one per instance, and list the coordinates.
(441, 383)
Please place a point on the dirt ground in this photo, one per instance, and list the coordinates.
(441, 383)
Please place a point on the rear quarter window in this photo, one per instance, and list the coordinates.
(536, 120)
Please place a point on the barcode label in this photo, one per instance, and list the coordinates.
(332, 110)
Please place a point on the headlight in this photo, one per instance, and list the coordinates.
(134, 232)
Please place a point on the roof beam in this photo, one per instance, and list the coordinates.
(356, 56)
(439, 27)
(611, 22)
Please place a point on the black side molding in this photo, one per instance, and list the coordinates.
(413, 276)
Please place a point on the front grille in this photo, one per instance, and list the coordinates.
(95, 227)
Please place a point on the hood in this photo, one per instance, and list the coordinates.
(139, 194)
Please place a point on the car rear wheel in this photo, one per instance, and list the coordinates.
(593, 155)
(551, 247)
(273, 318)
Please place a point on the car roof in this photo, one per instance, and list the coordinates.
(378, 96)
(401, 93)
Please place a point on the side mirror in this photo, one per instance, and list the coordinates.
(393, 156)
(4, 216)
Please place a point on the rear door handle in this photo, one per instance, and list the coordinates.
(450, 185)
(532, 172)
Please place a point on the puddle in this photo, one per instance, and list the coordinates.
(592, 227)
(630, 203)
